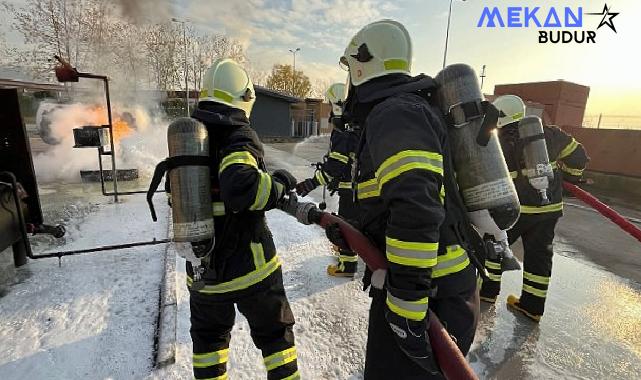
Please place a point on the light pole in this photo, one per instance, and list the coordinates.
(447, 32)
(482, 76)
(294, 68)
(186, 65)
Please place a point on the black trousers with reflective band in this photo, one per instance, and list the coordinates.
(537, 234)
(384, 359)
(270, 320)
(348, 210)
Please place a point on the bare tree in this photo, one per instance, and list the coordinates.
(319, 88)
(162, 49)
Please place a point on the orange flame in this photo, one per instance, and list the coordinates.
(121, 127)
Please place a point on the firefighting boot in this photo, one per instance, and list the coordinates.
(347, 265)
(514, 304)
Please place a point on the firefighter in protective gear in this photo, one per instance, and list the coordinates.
(243, 271)
(536, 224)
(336, 173)
(405, 188)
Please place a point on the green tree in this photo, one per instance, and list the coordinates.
(283, 78)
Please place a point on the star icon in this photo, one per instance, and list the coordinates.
(607, 18)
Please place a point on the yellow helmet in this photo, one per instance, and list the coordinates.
(380, 48)
(511, 107)
(336, 97)
(226, 82)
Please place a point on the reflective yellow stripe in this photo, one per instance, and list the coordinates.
(514, 174)
(294, 376)
(455, 260)
(405, 161)
(218, 208)
(223, 95)
(396, 64)
(572, 171)
(492, 265)
(542, 209)
(320, 177)
(243, 157)
(345, 185)
(368, 189)
(258, 253)
(243, 282)
(280, 358)
(494, 277)
(534, 291)
(442, 194)
(517, 116)
(536, 278)
(553, 163)
(210, 359)
(415, 310)
(415, 254)
(339, 157)
(262, 192)
(347, 259)
(568, 150)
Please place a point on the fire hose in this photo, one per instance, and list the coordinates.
(448, 356)
(604, 210)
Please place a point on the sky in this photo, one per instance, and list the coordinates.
(322, 28)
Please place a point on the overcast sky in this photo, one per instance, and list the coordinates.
(322, 28)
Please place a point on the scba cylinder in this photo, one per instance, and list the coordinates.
(538, 169)
(189, 181)
(481, 171)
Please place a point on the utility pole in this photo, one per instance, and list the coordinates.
(447, 32)
(294, 69)
(482, 76)
(186, 63)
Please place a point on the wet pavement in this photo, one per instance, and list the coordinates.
(592, 325)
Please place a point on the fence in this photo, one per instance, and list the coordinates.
(602, 121)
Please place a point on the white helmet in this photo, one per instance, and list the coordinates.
(336, 97)
(380, 48)
(512, 109)
(226, 82)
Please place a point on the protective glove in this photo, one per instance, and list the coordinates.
(334, 234)
(286, 179)
(411, 337)
(307, 186)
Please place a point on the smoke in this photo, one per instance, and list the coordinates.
(141, 144)
(145, 11)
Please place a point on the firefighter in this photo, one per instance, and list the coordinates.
(406, 207)
(536, 224)
(243, 271)
(336, 173)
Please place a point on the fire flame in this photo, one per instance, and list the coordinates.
(121, 127)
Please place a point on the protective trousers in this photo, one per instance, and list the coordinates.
(537, 233)
(347, 209)
(270, 321)
(384, 359)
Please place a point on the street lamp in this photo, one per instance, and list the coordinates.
(294, 70)
(447, 33)
(173, 19)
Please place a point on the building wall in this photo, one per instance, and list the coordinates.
(271, 117)
(564, 102)
(611, 151)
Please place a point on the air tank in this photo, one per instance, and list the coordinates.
(190, 186)
(481, 172)
(538, 169)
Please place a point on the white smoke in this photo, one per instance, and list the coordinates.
(142, 149)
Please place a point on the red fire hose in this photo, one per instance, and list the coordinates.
(449, 357)
(604, 210)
